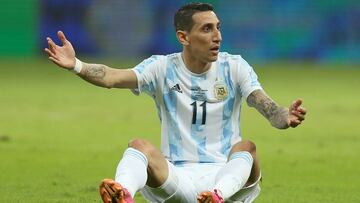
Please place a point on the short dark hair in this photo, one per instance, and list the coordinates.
(183, 17)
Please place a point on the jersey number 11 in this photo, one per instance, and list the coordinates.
(203, 105)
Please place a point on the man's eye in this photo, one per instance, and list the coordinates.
(206, 29)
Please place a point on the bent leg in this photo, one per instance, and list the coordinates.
(163, 184)
(141, 164)
(251, 148)
(157, 168)
(178, 187)
(242, 169)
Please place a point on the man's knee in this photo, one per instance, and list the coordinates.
(157, 165)
(245, 145)
(250, 146)
(143, 146)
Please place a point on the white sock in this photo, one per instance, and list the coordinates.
(168, 188)
(233, 176)
(131, 172)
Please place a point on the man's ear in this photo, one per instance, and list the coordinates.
(182, 36)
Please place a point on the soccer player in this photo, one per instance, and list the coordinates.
(198, 96)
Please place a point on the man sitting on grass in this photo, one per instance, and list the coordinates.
(198, 95)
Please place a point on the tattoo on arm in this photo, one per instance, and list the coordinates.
(269, 109)
(95, 74)
(95, 71)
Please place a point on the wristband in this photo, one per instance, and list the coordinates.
(78, 66)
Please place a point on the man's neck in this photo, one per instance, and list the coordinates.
(193, 64)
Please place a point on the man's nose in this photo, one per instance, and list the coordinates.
(217, 36)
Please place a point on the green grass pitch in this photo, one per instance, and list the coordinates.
(59, 136)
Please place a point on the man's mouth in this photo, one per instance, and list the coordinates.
(215, 48)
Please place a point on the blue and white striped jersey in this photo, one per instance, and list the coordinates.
(199, 113)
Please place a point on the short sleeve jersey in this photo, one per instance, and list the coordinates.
(199, 113)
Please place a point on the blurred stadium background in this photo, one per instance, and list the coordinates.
(262, 31)
(59, 136)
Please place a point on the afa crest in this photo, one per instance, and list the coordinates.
(221, 91)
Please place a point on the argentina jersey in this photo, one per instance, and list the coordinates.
(199, 113)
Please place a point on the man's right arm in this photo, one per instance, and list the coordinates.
(97, 74)
(104, 76)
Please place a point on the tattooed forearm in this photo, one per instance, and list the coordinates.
(105, 76)
(94, 71)
(267, 107)
(95, 74)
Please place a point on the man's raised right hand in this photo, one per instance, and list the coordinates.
(63, 56)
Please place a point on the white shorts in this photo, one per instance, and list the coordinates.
(191, 179)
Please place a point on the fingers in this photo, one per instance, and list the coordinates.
(294, 123)
(296, 118)
(297, 110)
(52, 45)
(49, 52)
(302, 110)
(62, 37)
(56, 61)
(298, 115)
(296, 104)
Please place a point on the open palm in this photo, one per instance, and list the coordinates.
(63, 56)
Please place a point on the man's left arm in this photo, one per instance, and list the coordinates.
(279, 117)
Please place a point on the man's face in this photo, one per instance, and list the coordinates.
(205, 37)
